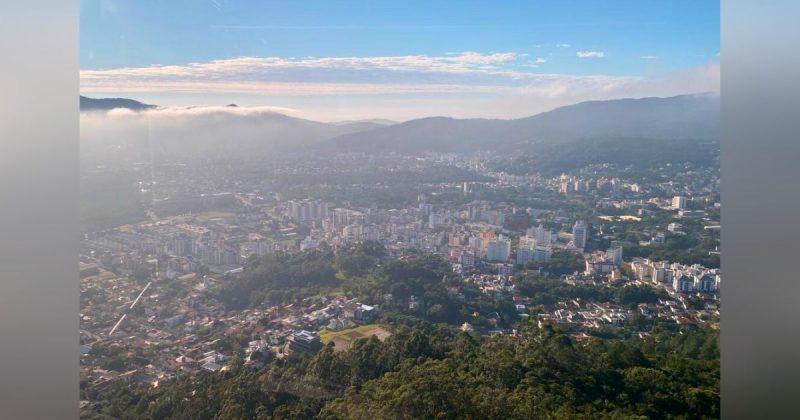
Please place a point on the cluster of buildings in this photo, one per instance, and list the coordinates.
(150, 331)
(468, 234)
(682, 278)
(576, 316)
(571, 184)
(607, 262)
(308, 210)
(179, 245)
(144, 287)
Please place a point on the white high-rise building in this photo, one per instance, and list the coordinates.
(579, 234)
(352, 233)
(535, 254)
(542, 235)
(307, 210)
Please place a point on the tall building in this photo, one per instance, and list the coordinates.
(352, 233)
(474, 212)
(524, 255)
(542, 235)
(542, 253)
(308, 210)
(182, 244)
(679, 202)
(534, 254)
(230, 257)
(579, 234)
(210, 254)
(468, 259)
(498, 250)
(705, 283)
(614, 255)
(660, 273)
(435, 220)
(341, 218)
(682, 283)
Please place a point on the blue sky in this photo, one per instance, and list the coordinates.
(340, 59)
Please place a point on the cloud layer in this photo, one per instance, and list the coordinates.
(466, 84)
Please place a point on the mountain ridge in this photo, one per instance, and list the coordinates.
(679, 117)
(107, 104)
(237, 135)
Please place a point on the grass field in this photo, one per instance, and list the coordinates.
(343, 338)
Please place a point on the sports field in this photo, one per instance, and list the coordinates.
(342, 339)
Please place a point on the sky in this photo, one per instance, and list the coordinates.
(345, 60)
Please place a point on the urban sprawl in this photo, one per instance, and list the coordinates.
(150, 310)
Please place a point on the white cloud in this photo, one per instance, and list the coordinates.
(202, 110)
(590, 54)
(465, 84)
(303, 69)
(648, 57)
(292, 88)
(471, 57)
(465, 72)
(552, 45)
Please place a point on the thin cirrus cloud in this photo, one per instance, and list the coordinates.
(559, 45)
(648, 57)
(590, 54)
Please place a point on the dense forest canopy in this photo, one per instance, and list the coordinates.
(429, 371)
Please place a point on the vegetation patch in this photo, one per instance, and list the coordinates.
(346, 337)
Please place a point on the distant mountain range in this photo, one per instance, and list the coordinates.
(376, 121)
(219, 134)
(107, 104)
(678, 117)
(684, 118)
